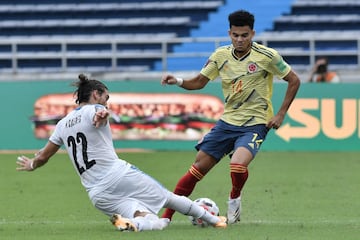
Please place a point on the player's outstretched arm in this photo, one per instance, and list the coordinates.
(195, 83)
(41, 157)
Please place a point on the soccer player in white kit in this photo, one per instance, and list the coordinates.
(118, 189)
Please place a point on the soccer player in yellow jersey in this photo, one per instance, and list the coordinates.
(246, 70)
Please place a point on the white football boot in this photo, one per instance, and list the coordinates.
(234, 210)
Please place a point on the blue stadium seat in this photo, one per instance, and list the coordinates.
(335, 24)
(107, 18)
(317, 22)
(307, 7)
(153, 19)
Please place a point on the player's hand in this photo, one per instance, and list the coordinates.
(101, 118)
(275, 122)
(168, 79)
(24, 164)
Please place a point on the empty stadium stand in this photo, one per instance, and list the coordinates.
(93, 35)
(100, 18)
(318, 28)
(125, 36)
(217, 26)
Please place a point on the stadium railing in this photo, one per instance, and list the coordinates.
(128, 53)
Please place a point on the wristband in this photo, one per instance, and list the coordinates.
(179, 81)
(32, 165)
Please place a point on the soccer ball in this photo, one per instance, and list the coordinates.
(210, 206)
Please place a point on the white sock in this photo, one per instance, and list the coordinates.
(150, 222)
(161, 223)
(185, 206)
(141, 223)
(208, 217)
(157, 223)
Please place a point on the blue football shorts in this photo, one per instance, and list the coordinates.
(224, 139)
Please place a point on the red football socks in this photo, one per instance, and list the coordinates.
(239, 174)
(184, 187)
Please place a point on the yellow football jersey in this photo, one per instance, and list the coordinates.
(246, 82)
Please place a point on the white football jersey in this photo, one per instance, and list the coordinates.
(90, 149)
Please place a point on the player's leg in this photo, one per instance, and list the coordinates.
(239, 175)
(246, 147)
(187, 207)
(133, 202)
(142, 221)
(150, 221)
(187, 182)
(211, 149)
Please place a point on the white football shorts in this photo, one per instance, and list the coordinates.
(135, 191)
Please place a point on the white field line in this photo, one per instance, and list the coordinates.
(183, 222)
(289, 223)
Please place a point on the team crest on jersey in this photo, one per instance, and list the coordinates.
(252, 67)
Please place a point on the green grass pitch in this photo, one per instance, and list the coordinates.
(289, 195)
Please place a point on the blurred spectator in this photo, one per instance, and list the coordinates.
(321, 74)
